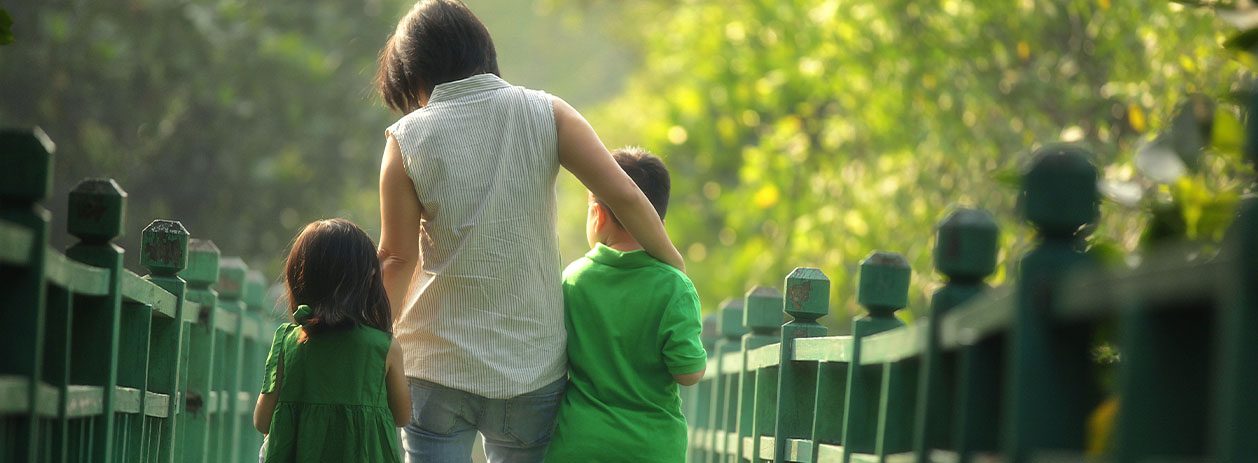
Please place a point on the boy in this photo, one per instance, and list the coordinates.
(633, 336)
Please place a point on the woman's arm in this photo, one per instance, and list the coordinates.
(583, 154)
(400, 214)
(399, 393)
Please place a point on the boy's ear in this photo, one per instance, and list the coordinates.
(602, 216)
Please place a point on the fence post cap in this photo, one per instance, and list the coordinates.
(709, 334)
(255, 290)
(807, 294)
(203, 257)
(730, 319)
(1059, 192)
(883, 283)
(762, 310)
(97, 208)
(27, 157)
(164, 247)
(231, 277)
(966, 244)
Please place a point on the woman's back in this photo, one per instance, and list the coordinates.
(333, 400)
(488, 316)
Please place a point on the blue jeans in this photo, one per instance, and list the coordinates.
(444, 423)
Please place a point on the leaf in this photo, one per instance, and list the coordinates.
(1106, 251)
(6, 27)
(1008, 177)
(1166, 224)
(1243, 41)
(1227, 135)
(1157, 161)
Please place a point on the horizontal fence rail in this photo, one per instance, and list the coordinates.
(995, 374)
(100, 364)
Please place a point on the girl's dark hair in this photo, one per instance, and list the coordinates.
(438, 41)
(333, 268)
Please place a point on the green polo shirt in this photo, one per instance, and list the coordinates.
(633, 323)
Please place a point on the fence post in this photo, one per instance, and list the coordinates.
(882, 289)
(763, 321)
(965, 253)
(195, 422)
(24, 184)
(1239, 321)
(231, 281)
(1050, 388)
(96, 210)
(730, 327)
(807, 299)
(164, 252)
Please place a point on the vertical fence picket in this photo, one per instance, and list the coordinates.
(762, 319)
(96, 212)
(135, 320)
(1051, 388)
(965, 253)
(730, 327)
(196, 420)
(231, 281)
(24, 184)
(882, 289)
(700, 395)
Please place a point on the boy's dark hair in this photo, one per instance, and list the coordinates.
(333, 268)
(649, 173)
(438, 41)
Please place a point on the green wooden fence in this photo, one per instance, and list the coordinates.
(99, 364)
(1003, 374)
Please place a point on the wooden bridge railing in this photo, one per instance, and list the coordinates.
(1005, 374)
(99, 364)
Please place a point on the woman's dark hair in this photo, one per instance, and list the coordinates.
(333, 268)
(438, 41)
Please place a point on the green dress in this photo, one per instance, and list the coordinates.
(333, 403)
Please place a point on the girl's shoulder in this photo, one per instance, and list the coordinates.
(373, 336)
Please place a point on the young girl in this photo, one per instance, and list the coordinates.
(334, 389)
(467, 181)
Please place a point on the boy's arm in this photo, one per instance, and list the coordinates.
(583, 154)
(400, 213)
(690, 379)
(679, 329)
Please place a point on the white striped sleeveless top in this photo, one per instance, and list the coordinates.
(486, 312)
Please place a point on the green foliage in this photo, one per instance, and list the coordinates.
(6, 27)
(807, 133)
(235, 118)
(246, 120)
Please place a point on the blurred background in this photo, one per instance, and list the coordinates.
(799, 133)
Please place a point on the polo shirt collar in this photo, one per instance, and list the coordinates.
(623, 259)
(474, 84)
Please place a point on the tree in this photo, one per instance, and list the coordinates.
(809, 133)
